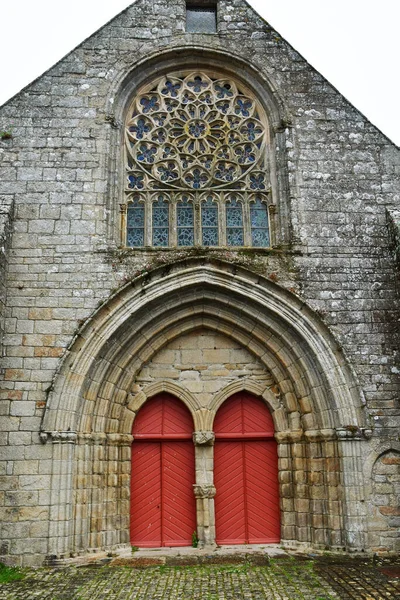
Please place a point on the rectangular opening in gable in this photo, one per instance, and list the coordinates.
(201, 18)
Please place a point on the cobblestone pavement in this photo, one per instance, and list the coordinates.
(281, 579)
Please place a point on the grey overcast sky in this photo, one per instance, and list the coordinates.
(353, 43)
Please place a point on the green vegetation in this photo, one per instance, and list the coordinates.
(8, 574)
(195, 539)
(6, 135)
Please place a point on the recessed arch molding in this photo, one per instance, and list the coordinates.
(313, 399)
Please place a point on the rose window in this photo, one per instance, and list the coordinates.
(192, 139)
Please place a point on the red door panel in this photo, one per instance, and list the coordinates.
(179, 507)
(230, 500)
(262, 491)
(146, 494)
(162, 499)
(246, 473)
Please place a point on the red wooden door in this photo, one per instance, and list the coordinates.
(162, 501)
(246, 473)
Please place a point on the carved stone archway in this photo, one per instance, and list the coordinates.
(314, 401)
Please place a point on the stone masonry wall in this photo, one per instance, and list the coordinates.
(342, 176)
(203, 362)
(385, 502)
(6, 215)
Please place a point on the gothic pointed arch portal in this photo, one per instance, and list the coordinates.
(296, 368)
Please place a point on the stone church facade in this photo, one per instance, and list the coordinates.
(192, 217)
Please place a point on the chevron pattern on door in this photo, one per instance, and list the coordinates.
(162, 499)
(246, 473)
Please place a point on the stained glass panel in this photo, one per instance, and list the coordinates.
(185, 223)
(234, 223)
(160, 221)
(234, 237)
(234, 214)
(209, 223)
(198, 117)
(196, 138)
(259, 224)
(135, 224)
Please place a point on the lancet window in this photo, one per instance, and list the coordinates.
(196, 164)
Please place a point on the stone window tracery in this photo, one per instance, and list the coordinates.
(196, 149)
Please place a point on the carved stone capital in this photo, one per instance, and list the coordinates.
(204, 491)
(352, 432)
(58, 437)
(203, 438)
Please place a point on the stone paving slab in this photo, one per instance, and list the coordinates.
(286, 578)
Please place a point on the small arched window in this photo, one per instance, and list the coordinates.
(200, 143)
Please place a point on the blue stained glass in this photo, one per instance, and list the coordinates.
(251, 130)
(150, 104)
(260, 238)
(207, 98)
(197, 129)
(259, 224)
(185, 223)
(135, 238)
(225, 172)
(135, 224)
(209, 223)
(159, 119)
(257, 182)
(136, 181)
(146, 154)
(160, 222)
(136, 216)
(160, 237)
(159, 136)
(243, 106)
(210, 216)
(171, 105)
(223, 107)
(234, 216)
(171, 89)
(140, 128)
(223, 91)
(197, 85)
(168, 173)
(185, 237)
(185, 214)
(245, 154)
(168, 152)
(234, 223)
(234, 237)
(196, 179)
(160, 216)
(210, 237)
